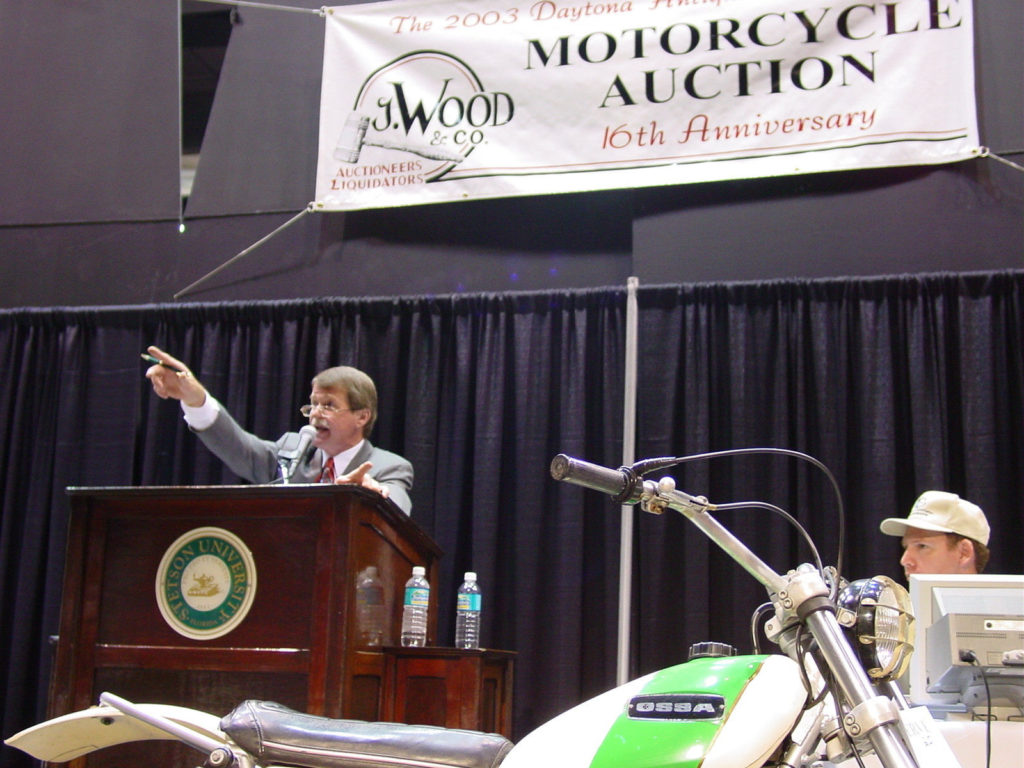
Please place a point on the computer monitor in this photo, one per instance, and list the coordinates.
(980, 612)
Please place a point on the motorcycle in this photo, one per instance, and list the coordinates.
(828, 699)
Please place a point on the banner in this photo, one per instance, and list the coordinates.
(427, 101)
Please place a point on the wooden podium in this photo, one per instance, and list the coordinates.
(143, 562)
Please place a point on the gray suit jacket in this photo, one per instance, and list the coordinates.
(256, 459)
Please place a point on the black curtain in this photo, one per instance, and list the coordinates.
(898, 384)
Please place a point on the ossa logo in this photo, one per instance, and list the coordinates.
(677, 706)
(428, 103)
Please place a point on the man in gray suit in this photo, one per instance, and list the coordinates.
(342, 410)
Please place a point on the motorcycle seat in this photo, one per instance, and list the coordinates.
(277, 735)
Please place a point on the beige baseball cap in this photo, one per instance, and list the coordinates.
(944, 513)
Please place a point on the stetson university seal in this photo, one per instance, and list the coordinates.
(206, 583)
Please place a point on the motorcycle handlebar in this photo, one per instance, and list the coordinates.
(623, 485)
(626, 485)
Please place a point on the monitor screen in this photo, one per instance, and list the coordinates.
(936, 597)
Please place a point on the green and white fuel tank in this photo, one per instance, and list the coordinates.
(725, 712)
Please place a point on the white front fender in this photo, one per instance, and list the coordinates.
(69, 736)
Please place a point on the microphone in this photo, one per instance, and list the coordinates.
(306, 435)
(624, 485)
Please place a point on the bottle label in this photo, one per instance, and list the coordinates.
(417, 596)
(468, 602)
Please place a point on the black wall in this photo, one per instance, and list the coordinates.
(90, 185)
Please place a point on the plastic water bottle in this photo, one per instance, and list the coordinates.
(370, 606)
(467, 613)
(414, 609)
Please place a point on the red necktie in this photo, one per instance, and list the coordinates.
(327, 476)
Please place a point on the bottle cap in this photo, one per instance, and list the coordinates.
(419, 570)
(371, 570)
(470, 576)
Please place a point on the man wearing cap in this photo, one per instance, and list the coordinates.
(942, 534)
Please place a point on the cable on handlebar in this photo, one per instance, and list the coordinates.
(791, 520)
(651, 465)
(804, 650)
(759, 612)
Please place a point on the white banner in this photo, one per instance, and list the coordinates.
(429, 101)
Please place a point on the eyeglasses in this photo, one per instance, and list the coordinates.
(327, 408)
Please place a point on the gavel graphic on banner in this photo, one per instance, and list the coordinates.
(353, 139)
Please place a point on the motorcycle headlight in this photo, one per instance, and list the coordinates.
(877, 614)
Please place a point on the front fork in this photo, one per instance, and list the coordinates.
(804, 595)
(870, 715)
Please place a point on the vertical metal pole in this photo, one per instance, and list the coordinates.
(181, 120)
(628, 457)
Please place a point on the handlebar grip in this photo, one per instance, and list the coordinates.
(623, 485)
